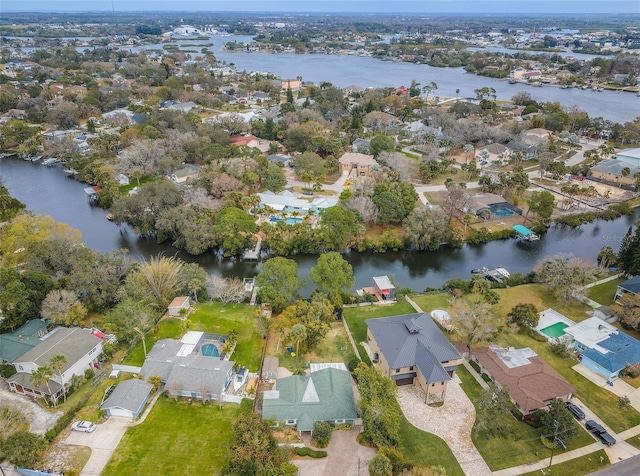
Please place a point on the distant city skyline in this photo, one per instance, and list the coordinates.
(337, 6)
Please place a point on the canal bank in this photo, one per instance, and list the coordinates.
(47, 190)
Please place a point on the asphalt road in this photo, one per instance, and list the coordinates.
(628, 467)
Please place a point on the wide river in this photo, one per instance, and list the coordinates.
(47, 190)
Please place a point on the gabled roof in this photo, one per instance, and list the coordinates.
(73, 343)
(349, 158)
(15, 344)
(426, 347)
(323, 395)
(615, 167)
(129, 395)
(631, 285)
(532, 383)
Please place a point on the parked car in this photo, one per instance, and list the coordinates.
(575, 410)
(85, 426)
(599, 431)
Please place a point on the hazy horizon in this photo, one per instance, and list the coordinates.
(330, 6)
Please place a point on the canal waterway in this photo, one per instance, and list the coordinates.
(47, 190)
(344, 70)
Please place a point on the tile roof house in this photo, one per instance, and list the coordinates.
(81, 349)
(185, 371)
(300, 401)
(631, 285)
(603, 348)
(530, 381)
(128, 398)
(411, 350)
(355, 164)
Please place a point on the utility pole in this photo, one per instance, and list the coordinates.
(553, 442)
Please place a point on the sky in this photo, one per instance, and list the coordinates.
(337, 6)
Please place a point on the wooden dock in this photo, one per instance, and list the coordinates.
(254, 253)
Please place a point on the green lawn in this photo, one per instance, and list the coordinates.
(605, 292)
(355, 317)
(600, 400)
(177, 439)
(425, 450)
(576, 467)
(215, 318)
(521, 444)
(431, 302)
(125, 189)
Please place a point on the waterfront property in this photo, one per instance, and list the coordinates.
(603, 348)
(81, 348)
(525, 233)
(179, 305)
(551, 324)
(287, 202)
(615, 172)
(326, 394)
(531, 383)
(411, 350)
(630, 286)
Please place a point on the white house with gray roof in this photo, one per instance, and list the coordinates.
(81, 349)
(411, 350)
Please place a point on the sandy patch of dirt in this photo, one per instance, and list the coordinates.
(40, 419)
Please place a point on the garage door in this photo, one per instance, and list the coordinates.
(119, 412)
(404, 381)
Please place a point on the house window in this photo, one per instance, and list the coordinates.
(411, 368)
(397, 371)
(338, 422)
(433, 384)
(290, 422)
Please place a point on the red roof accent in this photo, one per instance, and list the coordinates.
(385, 291)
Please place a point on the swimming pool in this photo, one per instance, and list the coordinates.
(555, 330)
(210, 350)
(500, 211)
(288, 221)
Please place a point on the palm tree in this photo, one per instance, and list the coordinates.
(160, 276)
(57, 362)
(41, 376)
(298, 333)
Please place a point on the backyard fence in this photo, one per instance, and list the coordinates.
(127, 368)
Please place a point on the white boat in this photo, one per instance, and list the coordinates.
(503, 272)
(51, 161)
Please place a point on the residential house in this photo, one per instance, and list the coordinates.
(537, 134)
(15, 344)
(287, 202)
(301, 401)
(185, 370)
(630, 286)
(531, 383)
(293, 84)
(184, 175)
(412, 350)
(82, 350)
(128, 398)
(284, 159)
(354, 164)
(183, 107)
(352, 89)
(603, 348)
(496, 152)
(615, 172)
(629, 156)
(178, 305)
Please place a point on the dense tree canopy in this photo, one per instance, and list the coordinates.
(279, 283)
(333, 276)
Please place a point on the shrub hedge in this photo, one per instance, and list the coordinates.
(305, 451)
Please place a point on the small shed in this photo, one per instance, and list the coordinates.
(128, 399)
(178, 304)
(605, 313)
(92, 193)
(384, 287)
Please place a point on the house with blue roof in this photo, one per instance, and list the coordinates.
(603, 348)
(412, 350)
(15, 344)
(630, 286)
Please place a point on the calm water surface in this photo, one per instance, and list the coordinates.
(48, 191)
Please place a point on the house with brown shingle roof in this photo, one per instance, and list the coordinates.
(355, 164)
(530, 381)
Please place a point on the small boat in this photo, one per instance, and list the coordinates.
(109, 217)
(503, 272)
(584, 87)
(513, 81)
(50, 162)
(69, 172)
(595, 88)
(482, 270)
(564, 86)
(600, 90)
(241, 378)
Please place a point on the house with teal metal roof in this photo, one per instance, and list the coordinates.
(14, 345)
(300, 401)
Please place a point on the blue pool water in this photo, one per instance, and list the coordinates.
(210, 350)
(288, 221)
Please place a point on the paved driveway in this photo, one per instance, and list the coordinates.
(345, 457)
(103, 442)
